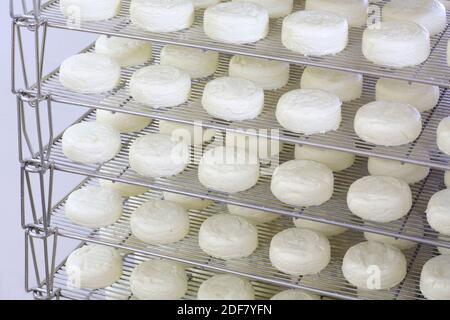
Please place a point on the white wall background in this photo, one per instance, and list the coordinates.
(60, 44)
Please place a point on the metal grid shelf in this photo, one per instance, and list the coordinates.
(329, 282)
(434, 71)
(423, 151)
(120, 290)
(412, 227)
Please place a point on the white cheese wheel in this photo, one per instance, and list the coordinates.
(297, 251)
(295, 294)
(160, 86)
(236, 22)
(315, 33)
(126, 190)
(346, 85)
(88, 10)
(90, 73)
(123, 122)
(233, 99)
(265, 148)
(328, 230)
(410, 173)
(226, 287)
(355, 11)
(91, 143)
(93, 267)
(438, 212)
(388, 123)
(226, 236)
(127, 52)
(335, 160)
(157, 155)
(396, 44)
(253, 215)
(447, 179)
(379, 198)
(197, 63)
(435, 278)
(302, 183)
(423, 97)
(158, 280)
(266, 74)
(275, 8)
(187, 202)
(374, 266)
(162, 15)
(443, 135)
(190, 134)
(430, 14)
(203, 4)
(309, 111)
(401, 244)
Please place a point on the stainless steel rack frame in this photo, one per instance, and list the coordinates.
(351, 59)
(40, 155)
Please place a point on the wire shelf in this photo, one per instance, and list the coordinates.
(412, 227)
(330, 282)
(434, 71)
(423, 151)
(120, 290)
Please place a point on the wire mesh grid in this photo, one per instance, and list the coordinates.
(330, 282)
(434, 70)
(412, 227)
(423, 151)
(120, 290)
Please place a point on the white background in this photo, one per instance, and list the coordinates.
(60, 44)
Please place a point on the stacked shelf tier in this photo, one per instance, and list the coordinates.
(423, 151)
(351, 59)
(412, 227)
(330, 282)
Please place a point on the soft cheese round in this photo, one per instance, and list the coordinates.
(302, 183)
(335, 160)
(297, 251)
(90, 73)
(127, 52)
(401, 244)
(295, 294)
(123, 122)
(443, 250)
(423, 97)
(309, 111)
(275, 8)
(435, 278)
(159, 222)
(443, 135)
(187, 202)
(328, 230)
(447, 178)
(93, 267)
(162, 15)
(88, 10)
(158, 280)
(253, 215)
(157, 155)
(203, 4)
(91, 143)
(266, 74)
(355, 11)
(126, 190)
(233, 99)
(94, 207)
(228, 169)
(197, 63)
(346, 85)
(366, 259)
(388, 123)
(236, 22)
(160, 86)
(226, 236)
(264, 147)
(431, 14)
(314, 33)
(379, 198)
(189, 134)
(410, 173)
(226, 287)
(438, 212)
(396, 44)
